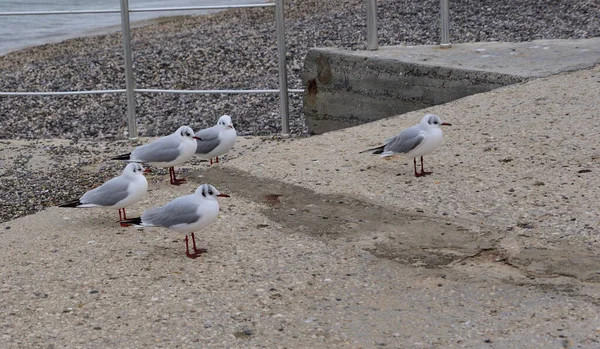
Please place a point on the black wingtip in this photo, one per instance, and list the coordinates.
(73, 203)
(136, 220)
(121, 157)
(377, 150)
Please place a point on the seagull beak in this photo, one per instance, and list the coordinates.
(198, 138)
(223, 195)
(230, 126)
(446, 124)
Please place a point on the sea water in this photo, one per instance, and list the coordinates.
(17, 32)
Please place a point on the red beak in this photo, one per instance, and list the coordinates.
(446, 124)
(198, 138)
(223, 195)
(230, 126)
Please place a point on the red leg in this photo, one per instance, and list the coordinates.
(174, 179)
(210, 162)
(123, 217)
(197, 251)
(187, 248)
(423, 172)
(415, 162)
(217, 159)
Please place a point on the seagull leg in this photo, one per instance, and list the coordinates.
(415, 162)
(217, 159)
(187, 248)
(174, 179)
(210, 162)
(423, 172)
(123, 218)
(197, 251)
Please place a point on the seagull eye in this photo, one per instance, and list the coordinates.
(210, 192)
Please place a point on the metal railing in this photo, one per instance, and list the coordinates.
(372, 40)
(130, 89)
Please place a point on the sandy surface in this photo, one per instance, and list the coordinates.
(321, 246)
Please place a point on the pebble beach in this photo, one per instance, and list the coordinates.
(233, 49)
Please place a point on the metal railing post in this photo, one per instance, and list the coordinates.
(372, 40)
(129, 82)
(445, 24)
(281, 53)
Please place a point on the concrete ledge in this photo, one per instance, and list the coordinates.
(348, 88)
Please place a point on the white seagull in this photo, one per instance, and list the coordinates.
(119, 192)
(217, 140)
(415, 141)
(168, 151)
(185, 214)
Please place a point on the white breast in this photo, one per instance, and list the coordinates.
(137, 189)
(208, 210)
(433, 139)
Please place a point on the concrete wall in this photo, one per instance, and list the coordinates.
(347, 88)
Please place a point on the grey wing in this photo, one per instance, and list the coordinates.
(405, 141)
(161, 150)
(209, 140)
(108, 194)
(179, 211)
(205, 147)
(208, 134)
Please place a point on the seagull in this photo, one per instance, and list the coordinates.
(118, 192)
(168, 151)
(185, 214)
(415, 141)
(216, 140)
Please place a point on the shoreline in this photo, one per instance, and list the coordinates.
(111, 29)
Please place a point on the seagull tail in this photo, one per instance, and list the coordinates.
(136, 221)
(121, 157)
(73, 203)
(377, 150)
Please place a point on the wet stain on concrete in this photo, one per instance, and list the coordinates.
(408, 238)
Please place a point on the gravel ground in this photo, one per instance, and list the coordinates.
(202, 52)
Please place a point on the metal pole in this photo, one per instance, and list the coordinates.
(445, 25)
(281, 52)
(129, 82)
(372, 42)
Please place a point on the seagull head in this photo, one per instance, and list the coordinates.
(133, 169)
(225, 122)
(432, 120)
(186, 132)
(209, 192)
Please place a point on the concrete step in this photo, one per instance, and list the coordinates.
(347, 88)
